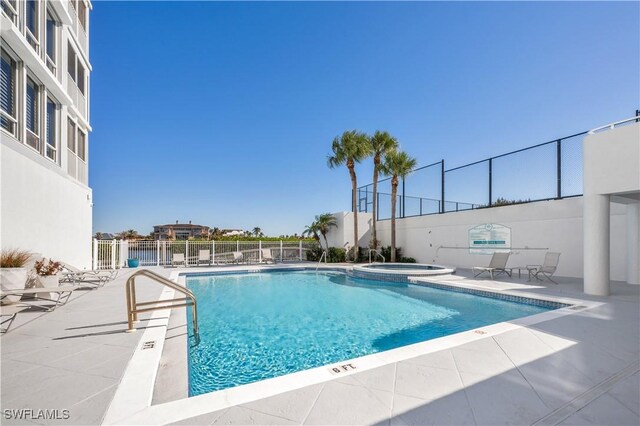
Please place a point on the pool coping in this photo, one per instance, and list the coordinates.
(132, 402)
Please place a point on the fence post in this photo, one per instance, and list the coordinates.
(94, 255)
(559, 171)
(157, 252)
(300, 242)
(442, 186)
(237, 245)
(213, 251)
(280, 251)
(124, 252)
(186, 253)
(490, 181)
(113, 254)
(259, 251)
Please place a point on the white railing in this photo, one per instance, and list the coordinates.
(78, 30)
(111, 254)
(614, 124)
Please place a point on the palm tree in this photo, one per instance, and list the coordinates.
(257, 231)
(381, 144)
(325, 222)
(350, 148)
(312, 231)
(129, 234)
(396, 164)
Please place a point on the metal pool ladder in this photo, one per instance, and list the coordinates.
(134, 307)
(377, 253)
(324, 255)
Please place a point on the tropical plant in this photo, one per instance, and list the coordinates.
(325, 222)
(44, 268)
(312, 231)
(14, 258)
(129, 234)
(257, 231)
(381, 144)
(396, 164)
(350, 148)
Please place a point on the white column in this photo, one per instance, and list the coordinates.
(596, 244)
(260, 251)
(633, 243)
(94, 262)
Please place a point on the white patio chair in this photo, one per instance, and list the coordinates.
(267, 256)
(92, 277)
(178, 258)
(497, 266)
(238, 257)
(204, 256)
(547, 269)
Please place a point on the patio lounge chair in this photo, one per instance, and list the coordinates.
(9, 311)
(238, 257)
(62, 294)
(204, 256)
(94, 278)
(547, 269)
(267, 256)
(177, 258)
(497, 266)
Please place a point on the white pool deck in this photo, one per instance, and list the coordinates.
(581, 368)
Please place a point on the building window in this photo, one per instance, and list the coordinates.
(71, 135)
(71, 62)
(51, 43)
(9, 9)
(33, 140)
(51, 130)
(76, 69)
(32, 24)
(8, 120)
(81, 145)
(82, 14)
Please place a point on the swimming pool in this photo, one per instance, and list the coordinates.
(262, 325)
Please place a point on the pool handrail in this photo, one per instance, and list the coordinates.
(133, 306)
(377, 253)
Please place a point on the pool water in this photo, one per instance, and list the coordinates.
(262, 325)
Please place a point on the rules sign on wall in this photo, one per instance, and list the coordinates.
(489, 238)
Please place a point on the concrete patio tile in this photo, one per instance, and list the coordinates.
(381, 378)
(204, 419)
(86, 360)
(522, 346)
(60, 391)
(244, 416)
(484, 358)
(294, 405)
(90, 411)
(15, 344)
(555, 380)
(592, 361)
(11, 368)
(50, 351)
(452, 410)
(627, 392)
(21, 385)
(605, 410)
(506, 398)
(440, 359)
(340, 404)
(426, 382)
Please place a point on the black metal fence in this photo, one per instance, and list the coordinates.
(550, 170)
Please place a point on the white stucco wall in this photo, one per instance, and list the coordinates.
(343, 234)
(42, 209)
(556, 225)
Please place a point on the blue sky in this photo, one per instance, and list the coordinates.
(223, 113)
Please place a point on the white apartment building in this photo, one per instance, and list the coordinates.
(45, 200)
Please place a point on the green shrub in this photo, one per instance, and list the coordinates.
(407, 260)
(337, 255)
(313, 254)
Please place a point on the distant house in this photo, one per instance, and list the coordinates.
(232, 232)
(180, 231)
